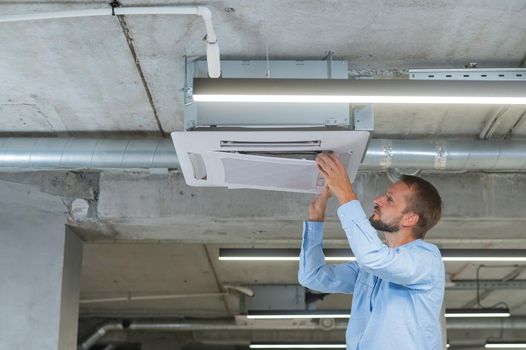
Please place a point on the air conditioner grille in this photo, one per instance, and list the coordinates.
(269, 159)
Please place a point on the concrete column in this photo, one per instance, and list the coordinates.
(40, 263)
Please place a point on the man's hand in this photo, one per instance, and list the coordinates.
(336, 177)
(317, 206)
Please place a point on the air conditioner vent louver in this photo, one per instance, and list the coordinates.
(260, 144)
(308, 155)
(267, 160)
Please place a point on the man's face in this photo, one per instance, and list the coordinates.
(389, 208)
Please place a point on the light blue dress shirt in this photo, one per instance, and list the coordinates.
(397, 292)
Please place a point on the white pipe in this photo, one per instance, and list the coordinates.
(188, 10)
(131, 297)
(57, 14)
(88, 343)
(512, 323)
(212, 48)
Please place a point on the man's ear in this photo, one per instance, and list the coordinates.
(410, 219)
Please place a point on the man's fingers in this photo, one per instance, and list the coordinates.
(323, 163)
(336, 161)
(320, 160)
(330, 159)
(322, 171)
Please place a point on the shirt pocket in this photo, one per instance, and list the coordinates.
(365, 282)
(363, 291)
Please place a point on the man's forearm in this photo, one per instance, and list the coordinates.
(314, 273)
(346, 197)
(311, 254)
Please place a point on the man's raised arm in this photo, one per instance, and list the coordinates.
(314, 273)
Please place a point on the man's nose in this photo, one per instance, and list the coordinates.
(377, 200)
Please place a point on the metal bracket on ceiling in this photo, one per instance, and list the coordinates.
(487, 74)
(113, 5)
(275, 297)
(363, 117)
(188, 81)
(329, 59)
(272, 115)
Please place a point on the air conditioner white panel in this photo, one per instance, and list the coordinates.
(266, 160)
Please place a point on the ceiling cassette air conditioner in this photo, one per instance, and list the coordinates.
(265, 160)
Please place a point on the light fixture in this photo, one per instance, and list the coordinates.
(297, 346)
(257, 254)
(337, 254)
(481, 255)
(497, 312)
(359, 91)
(505, 344)
(292, 314)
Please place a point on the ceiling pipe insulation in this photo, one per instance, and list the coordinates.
(511, 323)
(212, 47)
(32, 154)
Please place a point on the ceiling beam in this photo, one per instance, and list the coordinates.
(143, 206)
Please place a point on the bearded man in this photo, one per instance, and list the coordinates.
(397, 286)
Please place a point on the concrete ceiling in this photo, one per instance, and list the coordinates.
(151, 234)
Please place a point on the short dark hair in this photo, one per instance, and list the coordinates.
(424, 201)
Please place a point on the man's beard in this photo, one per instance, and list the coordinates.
(391, 227)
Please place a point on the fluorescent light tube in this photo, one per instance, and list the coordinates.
(291, 314)
(360, 99)
(283, 317)
(259, 258)
(448, 255)
(483, 258)
(359, 91)
(501, 312)
(505, 345)
(297, 346)
(280, 258)
(483, 255)
(487, 314)
(280, 254)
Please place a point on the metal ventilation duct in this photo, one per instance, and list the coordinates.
(31, 154)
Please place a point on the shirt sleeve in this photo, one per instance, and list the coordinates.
(412, 268)
(314, 273)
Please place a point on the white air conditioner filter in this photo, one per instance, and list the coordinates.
(266, 160)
